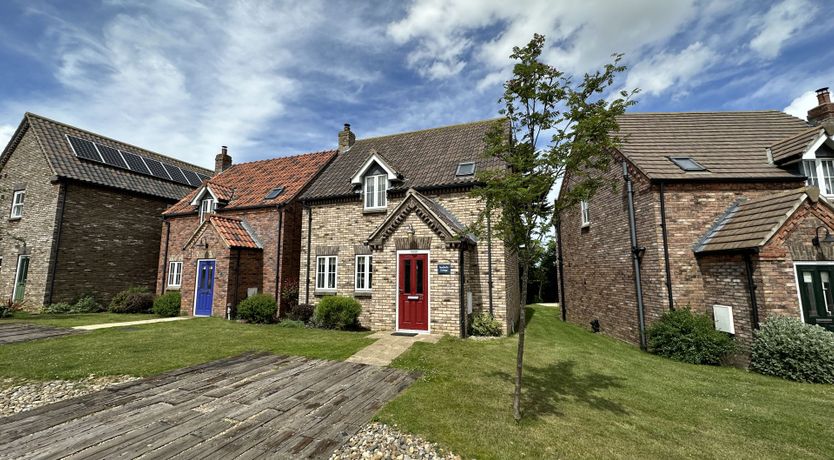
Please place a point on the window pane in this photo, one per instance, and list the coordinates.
(808, 281)
(331, 275)
(382, 185)
(407, 275)
(828, 175)
(419, 276)
(809, 170)
(369, 192)
(320, 273)
(360, 272)
(827, 295)
(370, 270)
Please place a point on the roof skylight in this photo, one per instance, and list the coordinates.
(465, 169)
(687, 164)
(274, 193)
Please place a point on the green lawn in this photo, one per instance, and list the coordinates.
(77, 319)
(589, 396)
(154, 348)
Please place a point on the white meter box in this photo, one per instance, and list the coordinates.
(723, 318)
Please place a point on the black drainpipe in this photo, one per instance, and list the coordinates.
(165, 254)
(462, 282)
(561, 271)
(665, 234)
(278, 258)
(309, 239)
(635, 257)
(489, 260)
(57, 242)
(751, 286)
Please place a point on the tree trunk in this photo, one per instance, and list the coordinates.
(522, 320)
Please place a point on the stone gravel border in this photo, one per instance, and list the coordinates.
(378, 441)
(22, 395)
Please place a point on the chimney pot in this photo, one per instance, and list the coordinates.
(346, 138)
(222, 161)
(823, 96)
(823, 113)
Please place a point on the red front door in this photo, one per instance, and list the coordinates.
(413, 292)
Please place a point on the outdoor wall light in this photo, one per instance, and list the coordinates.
(828, 238)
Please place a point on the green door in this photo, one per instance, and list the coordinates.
(20, 278)
(817, 294)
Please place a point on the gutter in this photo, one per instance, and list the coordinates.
(751, 286)
(57, 243)
(635, 257)
(665, 234)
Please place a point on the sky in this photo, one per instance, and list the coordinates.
(274, 78)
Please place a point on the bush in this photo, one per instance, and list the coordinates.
(86, 304)
(689, 337)
(291, 323)
(300, 312)
(7, 309)
(483, 324)
(788, 348)
(289, 292)
(260, 308)
(337, 312)
(132, 300)
(168, 304)
(57, 308)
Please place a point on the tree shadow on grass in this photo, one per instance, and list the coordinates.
(545, 389)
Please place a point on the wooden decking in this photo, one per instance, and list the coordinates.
(21, 332)
(250, 406)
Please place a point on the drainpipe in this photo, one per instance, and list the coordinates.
(665, 234)
(309, 240)
(489, 260)
(279, 233)
(462, 282)
(59, 224)
(751, 286)
(561, 271)
(164, 279)
(635, 257)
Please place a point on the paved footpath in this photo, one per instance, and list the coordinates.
(130, 323)
(387, 347)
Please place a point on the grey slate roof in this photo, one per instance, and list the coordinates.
(426, 159)
(51, 136)
(731, 145)
(750, 224)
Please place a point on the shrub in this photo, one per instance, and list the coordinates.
(291, 323)
(788, 348)
(57, 308)
(689, 337)
(337, 312)
(7, 309)
(483, 324)
(86, 304)
(289, 293)
(168, 304)
(300, 312)
(259, 308)
(132, 300)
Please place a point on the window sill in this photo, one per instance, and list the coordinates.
(12, 219)
(588, 225)
(359, 293)
(173, 288)
(374, 210)
(324, 292)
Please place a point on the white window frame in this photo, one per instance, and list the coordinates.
(17, 206)
(211, 207)
(174, 273)
(366, 277)
(20, 260)
(375, 197)
(323, 281)
(585, 213)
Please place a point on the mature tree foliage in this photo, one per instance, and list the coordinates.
(542, 99)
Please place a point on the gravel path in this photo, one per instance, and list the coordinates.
(378, 441)
(18, 396)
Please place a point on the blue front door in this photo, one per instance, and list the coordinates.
(205, 288)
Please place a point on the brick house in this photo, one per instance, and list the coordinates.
(82, 212)
(387, 224)
(240, 231)
(731, 217)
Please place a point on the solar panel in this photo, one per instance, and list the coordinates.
(157, 170)
(175, 173)
(111, 156)
(84, 149)
(193, 178)
(203, 177)
(135, 162)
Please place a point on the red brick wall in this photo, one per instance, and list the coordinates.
(725, 283)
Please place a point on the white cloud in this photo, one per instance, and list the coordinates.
(662, 71)
(779, 24)
(800, 106)
(6, 133)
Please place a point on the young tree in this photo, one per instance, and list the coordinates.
(541, 99)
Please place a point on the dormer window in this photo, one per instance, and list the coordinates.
(207, 206)
(376, 191)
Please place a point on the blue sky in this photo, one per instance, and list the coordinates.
(183, 77)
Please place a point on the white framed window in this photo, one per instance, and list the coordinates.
(207, 206)
(376, 188)
(364, 272)
(175, 274)
(17, 204)
(585, 213)
(326, 268)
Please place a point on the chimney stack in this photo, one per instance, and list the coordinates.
(823, 114)
(346, 138)
(222, 161)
